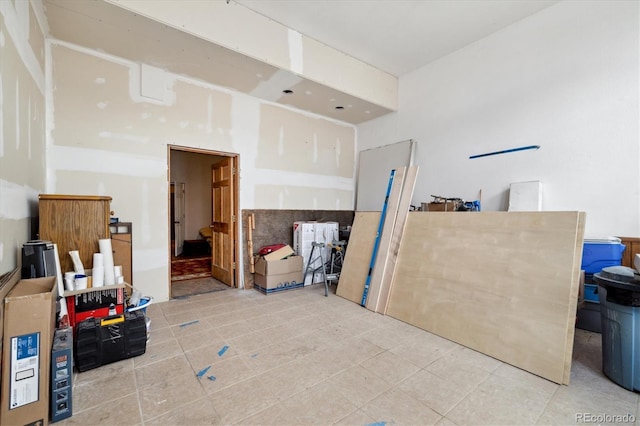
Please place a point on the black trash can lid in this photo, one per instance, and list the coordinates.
(618, 273)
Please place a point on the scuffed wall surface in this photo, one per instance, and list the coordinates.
(107, 139)
(22, 130)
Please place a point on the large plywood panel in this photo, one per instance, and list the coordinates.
(374, 167)
(384, 242)
(358, 256)
(502, 283)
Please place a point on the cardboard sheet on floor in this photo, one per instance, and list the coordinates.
(358, 256)
(502, 283)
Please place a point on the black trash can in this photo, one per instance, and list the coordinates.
(619, 295)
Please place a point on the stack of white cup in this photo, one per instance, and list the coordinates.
(69, 281)
(98, 270)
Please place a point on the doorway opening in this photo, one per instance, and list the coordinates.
(203, 206)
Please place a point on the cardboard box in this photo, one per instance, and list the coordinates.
(281, 253)
(277, 275)
(61, 374)
(449, 206)
(29, 323)
(305, 234)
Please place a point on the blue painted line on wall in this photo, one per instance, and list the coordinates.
(522, 148)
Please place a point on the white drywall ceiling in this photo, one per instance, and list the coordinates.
(397, 36)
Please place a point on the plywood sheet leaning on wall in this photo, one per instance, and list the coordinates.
(502, 283)
(384, 241)
(358, 256)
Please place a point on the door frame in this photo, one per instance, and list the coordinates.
(236, 203)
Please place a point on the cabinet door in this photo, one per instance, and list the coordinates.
(632, 247)
(121, 245)
(74, 223)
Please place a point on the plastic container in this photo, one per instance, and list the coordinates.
(591, 293)
(601, 253)
(142, 305)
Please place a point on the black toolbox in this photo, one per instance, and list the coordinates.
(101, 341)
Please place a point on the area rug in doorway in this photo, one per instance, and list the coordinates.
(186, 288)
(189, 268)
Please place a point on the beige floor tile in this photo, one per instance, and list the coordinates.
(395, 407)
(224, 374)
(299, 358)
(87, 395)
(501, 401)
(273, 415)
(169, 395)
(383, 337)
(579, 399)
(121, 411)
(358, 417)
(251, 342)
(182, 318)
(242, 400)
(423, 349)
(437, 393)
(189, 327)
(459, 369)
(209, 355)
(158, 321)
(329, 361)
(269, 357)
(585, 377)
(157, 351)
(445, 422)
(287, 380)
(391, 367)
(359, 385)
(235, 330)
(175, 306)
(318, 405)
(199, 412)
(152, 374)
(530, 380)
(120, 368)
(207, 337)
(159, 335)
(358, 350)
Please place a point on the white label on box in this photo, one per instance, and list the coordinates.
(25, 370)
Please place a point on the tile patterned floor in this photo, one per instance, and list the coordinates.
(298, 358)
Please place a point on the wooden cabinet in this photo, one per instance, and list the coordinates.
(74, 222)
(121, 245)
(632, 247)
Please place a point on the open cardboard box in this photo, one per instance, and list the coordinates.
(29, 324)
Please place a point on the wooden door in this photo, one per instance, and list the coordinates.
(223, 226)
(178, 194)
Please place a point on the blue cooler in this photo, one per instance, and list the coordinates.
(596, 254)
(619, 294)
(601, 253)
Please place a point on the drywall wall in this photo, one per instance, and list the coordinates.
(107, 139)
(566, 79)
(22, 128)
